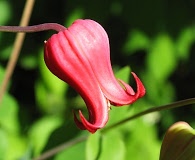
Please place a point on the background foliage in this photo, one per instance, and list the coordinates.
(156, 39)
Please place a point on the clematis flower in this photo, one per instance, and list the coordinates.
(80, 56)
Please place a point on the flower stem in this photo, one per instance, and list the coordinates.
(34, 28)
(61, 147)
(151, 110)
(17, 47)
(20, 38)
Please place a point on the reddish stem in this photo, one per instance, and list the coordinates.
(35, 28)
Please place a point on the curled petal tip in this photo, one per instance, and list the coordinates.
(140, 87)
(89, 126)
(84, 124)
(130, 95)
(78, 123)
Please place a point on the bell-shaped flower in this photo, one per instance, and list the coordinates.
(178, 143)
(80, 56)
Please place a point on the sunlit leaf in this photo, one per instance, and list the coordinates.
(93, 146)
(48, 101)
(136, 40)
(161, 59)
(107, 146)
(112, 147)
(29, 61)
(3, 144)
(157, 90)
(13, 141)
(74, 14)
(75, 152)
(16, 146)
(5, 52)
(27, 155)
(185, 41)
(2, 73)
(41, 130)
(5, 12)
(9, 114)
(141, 141)
(124, 73)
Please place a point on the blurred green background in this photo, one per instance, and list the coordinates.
(155, 39)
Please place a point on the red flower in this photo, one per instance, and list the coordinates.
(80, 56)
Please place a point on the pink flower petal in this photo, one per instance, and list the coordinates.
(64, 60)
(94, 43)
(80, 56)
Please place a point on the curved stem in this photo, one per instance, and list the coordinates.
(61, 147)
(34, 28)
(66, 145)
(151, 110)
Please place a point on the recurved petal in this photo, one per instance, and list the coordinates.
(132, 96)
(65, 59)
(94, 43)
(85, 124)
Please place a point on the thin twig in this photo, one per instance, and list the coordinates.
(66, 145)
(17, 47)
(151, 110)
(61, 147)
(35, 28)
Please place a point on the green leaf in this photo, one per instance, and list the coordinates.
(77, 13)
(185, 41)
(27, 155)
(93, 146)
(74, 152)
(161, 60)
(41, 130)
(141, 138)
(5, 52)
(48, 101)
(28, 61)
(9, 114)
(12, 141)
(16, 146)
(124, 74)
(3, 144)
(112, 146)
(5, 12)
(157, 90)
(105, 146)
(2, 73)
(136, 40)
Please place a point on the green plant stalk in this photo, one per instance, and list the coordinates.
(20, 38)
(61, 147)
(75, 141)
(151, 110)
